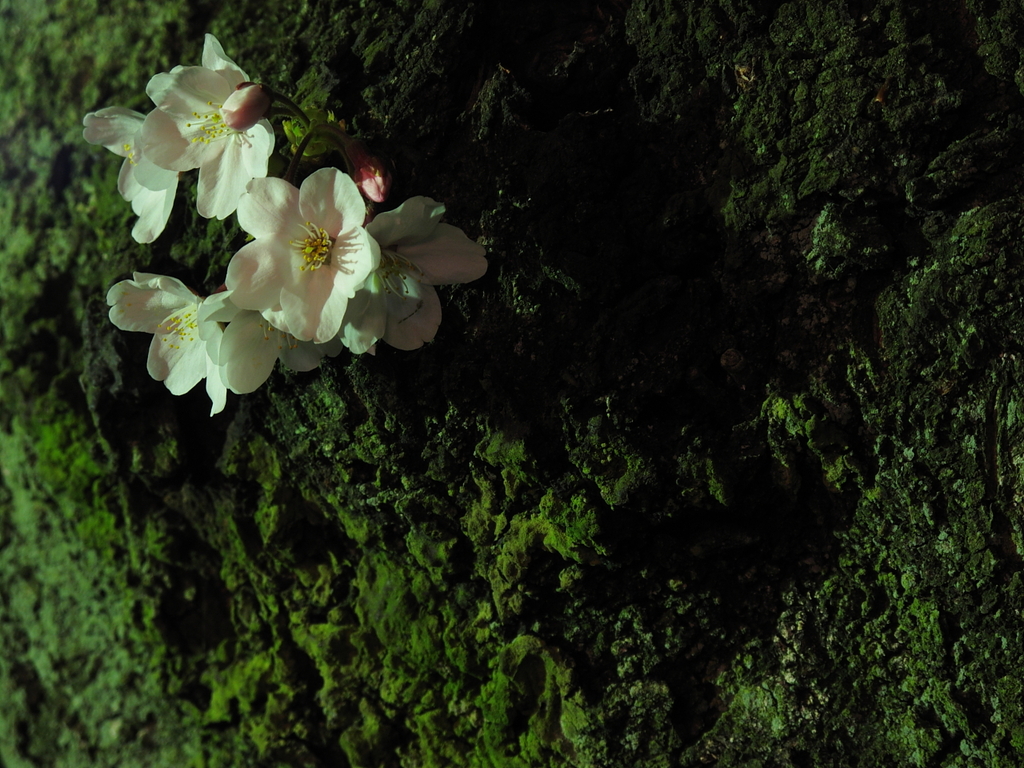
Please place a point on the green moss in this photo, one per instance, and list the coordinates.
(254, 459)
(404, 626)
(523, 704)
(579, 518)
(566, 533)
(510, 456)
(842, 245)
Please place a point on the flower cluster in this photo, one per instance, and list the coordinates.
(320, 272)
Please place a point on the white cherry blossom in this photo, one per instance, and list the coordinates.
(250, 345)
(187, 130)
(398, 302)
(149, 188)
(179, 354)
(309, 256)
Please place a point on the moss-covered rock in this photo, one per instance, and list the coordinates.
(718, 464)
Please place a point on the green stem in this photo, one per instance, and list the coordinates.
(341, 140)
(292, 108)
(293, 166)
(336, 136)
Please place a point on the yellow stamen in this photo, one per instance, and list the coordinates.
(314, 248)
(211, 126)
(179, 329)
(394, 270)
(284, 338)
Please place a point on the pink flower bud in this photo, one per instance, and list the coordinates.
(244, 108)
(370, 175)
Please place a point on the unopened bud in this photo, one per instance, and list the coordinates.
(245, 107)
(369, 174)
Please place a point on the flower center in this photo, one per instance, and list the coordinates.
(394, 270)
(314, 248)
(180, 328)
(211, 125)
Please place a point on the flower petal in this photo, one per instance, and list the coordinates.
(177, 357)
(188, 93)
(215, 386)
(152, 176)
(256, 274)
(248, 351)
(413, 318)
(114, 128)
(214, 58)
(365, 317)
(330, 199)
(269, 207)
(412, 221)
(353, 258)
(261, 146)
(305, 355)
(448, 256)
(163, 144)
(216, 308)
(153, 210)
(127, 183)
(222, 181)
(313, 310)
(143, 303)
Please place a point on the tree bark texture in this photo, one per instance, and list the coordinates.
(720, 464)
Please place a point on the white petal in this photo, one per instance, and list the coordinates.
(215, 387)
(163, 144)
(214, 58)
(171, 285)
(144, 303)
(330, 199)
(153, 210)
(248, 352)
(114, 128)
(365, 317)
(189, 92)
(222, 181)
(315, 310)
(256, 274)
(276, 317)
(448, 256)
(353, 259)
(269, 207)
(177, 356)
(127, 184)
(414, 318)
(216, 308)
(261, 146)
(152, 176)
(304, 355)
(160, 84)
(412, 221)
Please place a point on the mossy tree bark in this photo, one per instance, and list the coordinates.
(719, 464)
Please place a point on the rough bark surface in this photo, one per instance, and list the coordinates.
(720, 464)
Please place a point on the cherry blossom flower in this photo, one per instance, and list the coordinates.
(250, 345)
(188, 129)
(149, 188)
(309, 256)
(179, 354)
(398, 302)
